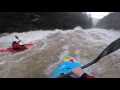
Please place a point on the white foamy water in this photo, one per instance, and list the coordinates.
(42, 59)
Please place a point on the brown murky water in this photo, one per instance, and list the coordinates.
(41, 60)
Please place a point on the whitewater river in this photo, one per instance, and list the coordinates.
(51, 47)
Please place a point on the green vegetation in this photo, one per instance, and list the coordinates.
(111, 21)
(25, 21)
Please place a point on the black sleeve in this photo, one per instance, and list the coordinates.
(84, 75)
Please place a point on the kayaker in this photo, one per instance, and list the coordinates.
(17, 46)
(80, 73)
(76, 72)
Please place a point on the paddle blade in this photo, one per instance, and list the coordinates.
(110, 49)
(16, 37)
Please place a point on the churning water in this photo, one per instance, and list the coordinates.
(51, 47)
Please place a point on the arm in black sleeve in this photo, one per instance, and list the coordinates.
(84, 75)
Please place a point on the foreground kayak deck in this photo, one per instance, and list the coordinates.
(12, 50)
(67, 67)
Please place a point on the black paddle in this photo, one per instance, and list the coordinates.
(19, 39)
(110, 49)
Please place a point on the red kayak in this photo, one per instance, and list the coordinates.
(12, 50)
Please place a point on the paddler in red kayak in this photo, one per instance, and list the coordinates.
(17, 46)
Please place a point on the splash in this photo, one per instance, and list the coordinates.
(41, 60)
